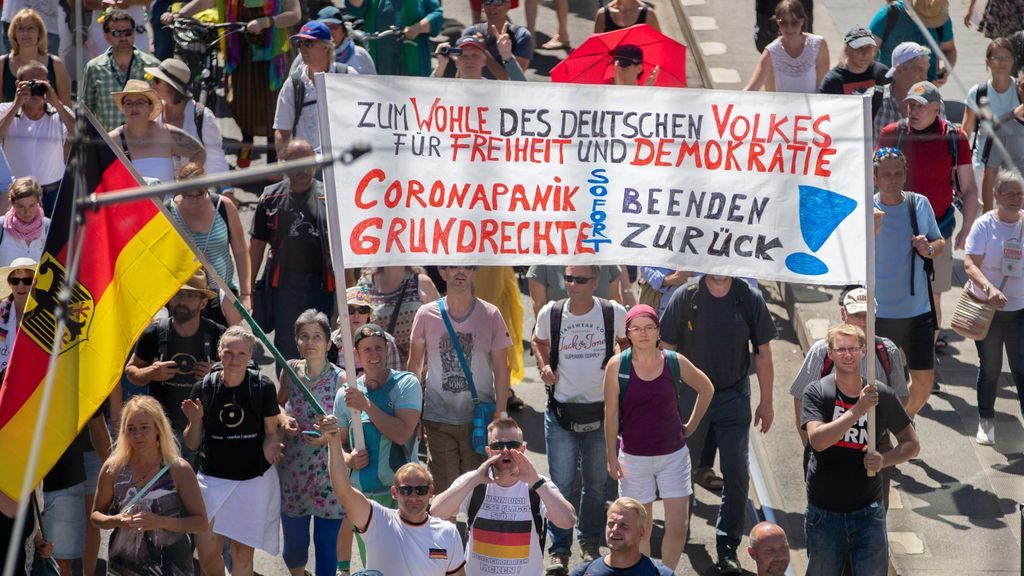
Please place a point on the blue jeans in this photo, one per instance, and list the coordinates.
(834, 537)
(325, 542)
(567, 451)
(163, 39)
(1005, 332)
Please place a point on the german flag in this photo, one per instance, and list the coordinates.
(504, 539)
(132, 262)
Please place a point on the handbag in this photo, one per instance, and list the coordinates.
(973, 317)
(482, 411)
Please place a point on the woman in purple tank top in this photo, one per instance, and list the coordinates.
(641, 408)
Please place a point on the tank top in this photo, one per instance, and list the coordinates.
(611, 26)
(213, 243)
(796, 74)
(11, 81)
(384, 306)
(650, 424)
(153, 551)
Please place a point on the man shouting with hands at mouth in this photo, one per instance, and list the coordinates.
(506, 503)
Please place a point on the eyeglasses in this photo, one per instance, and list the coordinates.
(456, 267)
(783, 23)
(135, 103)
(123, 33)
(14, 281)
(1001, 58)
(500, 445)
(844, 351)
(359, 310)
(303, 43)
(577, 279)
(649, 328)
(406, 490)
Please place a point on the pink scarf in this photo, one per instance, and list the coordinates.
(27, 231)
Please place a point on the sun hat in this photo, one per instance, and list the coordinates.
(140, 88)
(174, 72)
(933, 13)
(20, 263)
(197, 283)
(358, 296)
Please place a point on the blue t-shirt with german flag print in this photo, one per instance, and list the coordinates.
(503, 539)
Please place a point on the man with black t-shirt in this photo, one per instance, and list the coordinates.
(172, 355)
(860, 71)
(845, 519)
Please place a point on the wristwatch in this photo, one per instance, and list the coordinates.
(931, 251)
(536, 485)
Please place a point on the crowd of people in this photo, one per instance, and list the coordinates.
(647, 370)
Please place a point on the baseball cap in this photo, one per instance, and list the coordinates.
(472, 41)
(858, 37)
(903, 53)
(628, 52)
(330, 15)
(313, 30)
(924, 93)
(367, 331)
(856, 301)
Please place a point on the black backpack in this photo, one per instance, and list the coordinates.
(608, 314)
(299, 90)
(690, 309)
(211, 334)
(539, 522)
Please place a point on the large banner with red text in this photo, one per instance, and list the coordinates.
(765, 185)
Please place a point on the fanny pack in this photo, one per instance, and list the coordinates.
(577, 416)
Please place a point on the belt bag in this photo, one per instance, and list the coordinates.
(577, 416)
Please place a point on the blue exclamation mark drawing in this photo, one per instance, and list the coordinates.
(821, 212)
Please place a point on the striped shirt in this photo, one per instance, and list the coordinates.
(214, 244)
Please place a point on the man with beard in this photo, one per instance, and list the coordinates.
(172, 355)
(108, 72)
(624, 531)
(769, 548)
(506, 502)
(409, 540)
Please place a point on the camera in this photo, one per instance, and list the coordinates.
(36, 88)
(450, 51)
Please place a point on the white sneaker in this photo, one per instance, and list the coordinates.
(986, 432)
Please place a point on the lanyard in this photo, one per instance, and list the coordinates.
(116, 71)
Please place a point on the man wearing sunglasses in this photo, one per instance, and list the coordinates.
(506, 502)
(482, 342)
(572, 341)
(110, 71)
(409, 540)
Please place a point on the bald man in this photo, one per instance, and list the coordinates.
(769, 548)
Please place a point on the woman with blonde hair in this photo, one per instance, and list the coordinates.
(148, 495)
(24, 229)
(27, 37)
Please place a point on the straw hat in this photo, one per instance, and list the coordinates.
(933, 13)
(197, 283)
(21, 263)
(174, 72)
(140, 88)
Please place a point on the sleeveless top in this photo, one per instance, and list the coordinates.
(214, 243)
(796, 74)
(153, 552)
(11, 81)
(305, 485)
(384, 306)
(611, 26)
(649, 421)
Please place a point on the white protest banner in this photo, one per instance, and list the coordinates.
(480, 172)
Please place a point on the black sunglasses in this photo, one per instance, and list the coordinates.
(359, 310)
(15, 281)
(122, 33)
(505, 444)
(303, 43)
(406, 490)
(577, 279)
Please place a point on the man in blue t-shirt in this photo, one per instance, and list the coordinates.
(624, 530)
(934, 15)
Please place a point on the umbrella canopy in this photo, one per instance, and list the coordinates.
(592, 62)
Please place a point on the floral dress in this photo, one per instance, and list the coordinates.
(305, 484)
(1002, 18)
(153, 552)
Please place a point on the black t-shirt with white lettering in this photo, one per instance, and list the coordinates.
(233, 432)
(836, 478)
(186, 352)
(840, 80)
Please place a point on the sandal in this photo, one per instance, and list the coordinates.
(707, 479)
(941, 343)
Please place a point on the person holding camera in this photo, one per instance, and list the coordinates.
(572, 342)
(34, 128)
(471, 57)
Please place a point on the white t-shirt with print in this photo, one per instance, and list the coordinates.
(582, 349)
(503, 538)
(985, 244)
(396, 547)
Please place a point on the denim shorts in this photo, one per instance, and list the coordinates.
(64, 521)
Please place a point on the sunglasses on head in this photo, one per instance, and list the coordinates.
(14, 281)
(359, 310)
(123, 33)
(505, 444)
(406, 490)
(577, 279)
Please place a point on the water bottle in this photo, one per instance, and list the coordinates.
(479, 436)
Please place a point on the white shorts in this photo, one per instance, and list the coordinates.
(648, 477)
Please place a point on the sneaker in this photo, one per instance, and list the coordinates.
(591, 550)
(728, 563)
(986, 432)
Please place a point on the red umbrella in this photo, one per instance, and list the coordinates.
(591, 62)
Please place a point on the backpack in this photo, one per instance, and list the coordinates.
(880, 352)
(254, 380)
(198, 117)
(607, 312)
(981, 99)
(299, 90)
(211, 334)
(539, 522)
(690, 308)
(626, 365)
(892, 15)
(929, 264)
(952, 134)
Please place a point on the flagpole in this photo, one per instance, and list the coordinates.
(76, 233)
(869, 237)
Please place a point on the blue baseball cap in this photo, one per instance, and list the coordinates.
(314, 30)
